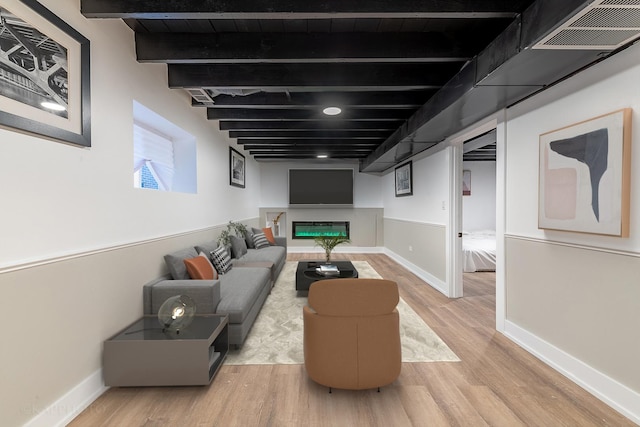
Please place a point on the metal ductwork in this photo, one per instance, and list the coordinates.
(548, 42)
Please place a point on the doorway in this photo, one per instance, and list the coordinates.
(473, 199)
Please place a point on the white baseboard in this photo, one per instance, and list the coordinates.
(435, 283)
(69, 406)
(618, 396)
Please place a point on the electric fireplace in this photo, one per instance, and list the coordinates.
(312, 229)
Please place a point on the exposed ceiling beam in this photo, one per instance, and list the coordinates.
(320, 150)
(285, 9)
(264, 156)
(305, 156)
(308, 142)
(366, 149)
(311, 77)
(379, 99)
(288, 114)
(473, 31)
(301, 125)
(239, 48)
(316, 150)
(310, 134)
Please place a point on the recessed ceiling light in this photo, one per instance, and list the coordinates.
(52, 106)
(332, 111)
(322, 156)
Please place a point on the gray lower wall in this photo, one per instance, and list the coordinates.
(584, 301)
(64, 309)
(366, 225)
(427, 242)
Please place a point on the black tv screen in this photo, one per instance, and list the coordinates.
(320, 186)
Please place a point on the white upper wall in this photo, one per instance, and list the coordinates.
(430, 200)
(604, 88)
(274, 183)
(59, 199)
(479, 209)
(573, 297)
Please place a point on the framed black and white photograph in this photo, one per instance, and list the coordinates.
(44, 74)
(237, 168)
(404, 180)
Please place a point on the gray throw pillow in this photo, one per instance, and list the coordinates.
(238, 247)
(207, 247)
(248, 238)
(175, 263)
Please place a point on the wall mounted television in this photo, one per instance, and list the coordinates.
(314, 187)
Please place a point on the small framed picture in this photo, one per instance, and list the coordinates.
(404, 180)
(466, 182)
(236, 168)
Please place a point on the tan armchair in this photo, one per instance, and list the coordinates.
(352, 333)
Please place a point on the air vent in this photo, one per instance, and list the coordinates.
(603, 25)
(201, 96)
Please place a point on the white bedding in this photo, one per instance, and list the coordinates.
(479, 251)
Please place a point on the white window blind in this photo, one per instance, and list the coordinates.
(156, 151)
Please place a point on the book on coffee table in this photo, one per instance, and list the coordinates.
(328, 270)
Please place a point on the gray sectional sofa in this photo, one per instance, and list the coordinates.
(240, 293)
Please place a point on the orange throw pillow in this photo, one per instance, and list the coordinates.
(200, 268)
(268, 233)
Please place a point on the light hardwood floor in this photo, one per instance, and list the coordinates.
(496, 383)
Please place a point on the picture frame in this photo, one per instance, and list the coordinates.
(404, 179)
(585, 176)
(466, 182)
(64, 56)
(237, 168)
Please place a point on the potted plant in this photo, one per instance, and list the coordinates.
(329, 242)
(237, 228)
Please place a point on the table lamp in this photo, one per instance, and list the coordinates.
(176, 313)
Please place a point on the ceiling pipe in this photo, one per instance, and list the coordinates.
(506, 72)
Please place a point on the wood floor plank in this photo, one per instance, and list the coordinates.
(496, 382)
(420, 406)
(492, 409)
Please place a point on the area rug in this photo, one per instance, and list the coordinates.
(276, 336)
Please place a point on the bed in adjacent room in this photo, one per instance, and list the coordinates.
(479, 251)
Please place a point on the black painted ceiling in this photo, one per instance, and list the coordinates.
(265, 69)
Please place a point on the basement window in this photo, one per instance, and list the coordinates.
(164, 155)
(145, 178)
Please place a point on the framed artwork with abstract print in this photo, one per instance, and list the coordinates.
(584, 177)
(236, 168)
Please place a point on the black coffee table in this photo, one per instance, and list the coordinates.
(306, 273)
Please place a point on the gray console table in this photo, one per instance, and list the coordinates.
(144, 355)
